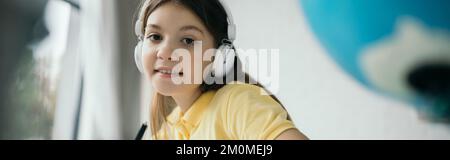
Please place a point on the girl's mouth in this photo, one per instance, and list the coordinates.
(167, 73)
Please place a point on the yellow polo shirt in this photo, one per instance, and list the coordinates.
(234, 112)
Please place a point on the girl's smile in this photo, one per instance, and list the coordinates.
(166, 72)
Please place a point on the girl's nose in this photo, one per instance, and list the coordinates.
(165, 52)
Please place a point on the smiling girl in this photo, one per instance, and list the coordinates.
(228, 110)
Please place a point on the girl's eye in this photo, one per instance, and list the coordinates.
(154, 37)
(188, 41)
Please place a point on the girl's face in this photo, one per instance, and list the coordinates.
(171, 27)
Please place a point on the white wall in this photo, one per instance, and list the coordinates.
(324, 102)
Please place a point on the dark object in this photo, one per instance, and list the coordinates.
(432, 83)
(141, 132)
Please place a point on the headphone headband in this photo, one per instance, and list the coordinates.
(138, 29)
(231, 26)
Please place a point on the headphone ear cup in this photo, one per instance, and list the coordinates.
(138, 57)
(223, 60)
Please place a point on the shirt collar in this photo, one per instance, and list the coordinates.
(194, 114)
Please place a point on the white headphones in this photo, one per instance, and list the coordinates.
(223, 59)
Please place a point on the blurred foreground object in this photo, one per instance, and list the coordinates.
(400, 48)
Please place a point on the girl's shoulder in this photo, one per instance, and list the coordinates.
(248, 112)
(235, 95)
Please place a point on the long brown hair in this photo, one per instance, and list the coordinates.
(214, 17)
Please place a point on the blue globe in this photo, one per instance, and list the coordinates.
(399, 48)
